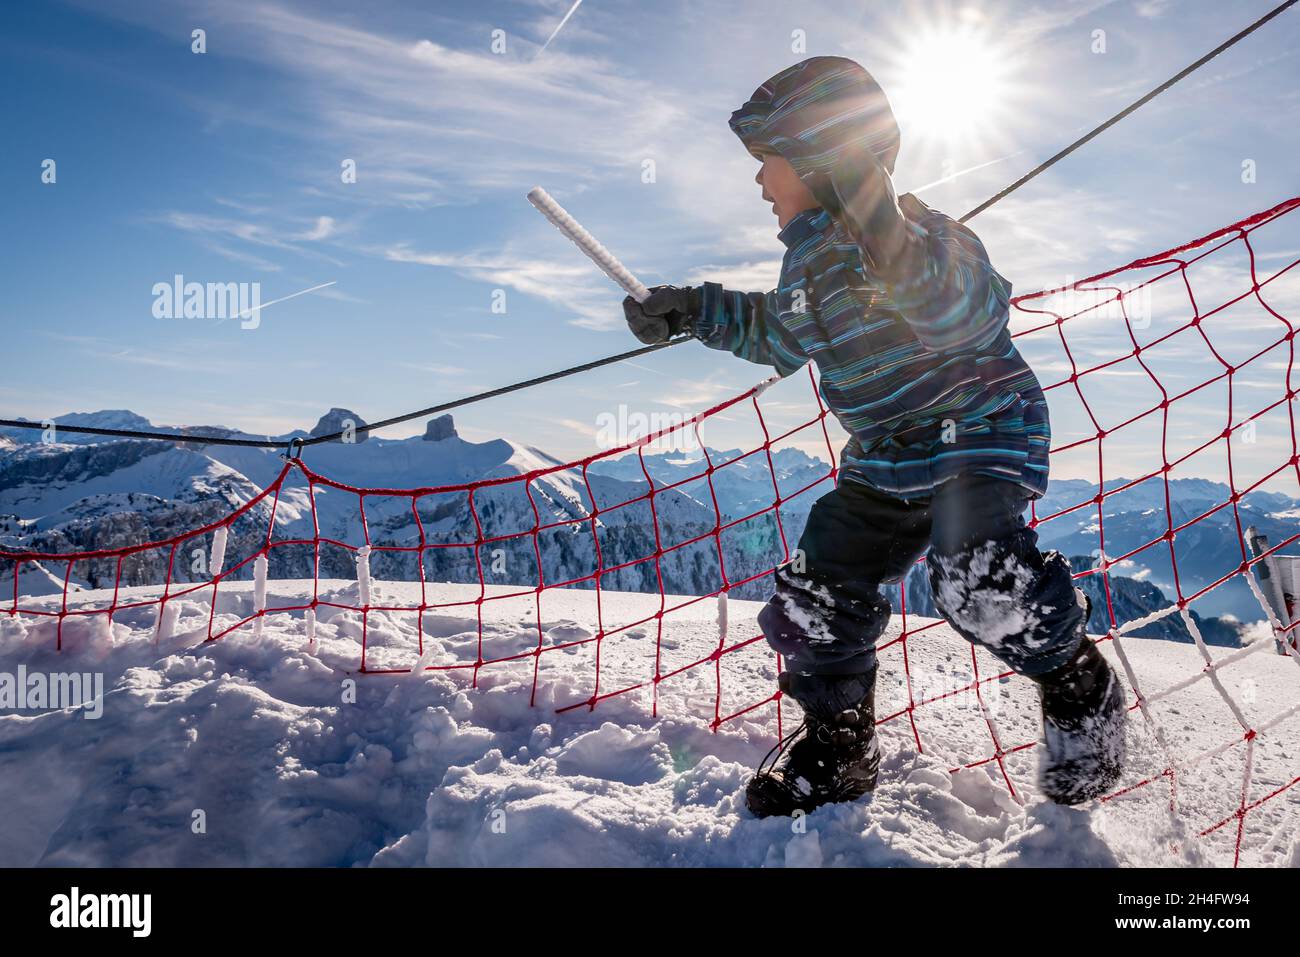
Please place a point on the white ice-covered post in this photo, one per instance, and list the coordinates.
(218, 552)
(363, 575)
(217, 562)
(259, 594)
(168, 614)
(597, 253)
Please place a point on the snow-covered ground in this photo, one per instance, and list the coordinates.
(260, 741)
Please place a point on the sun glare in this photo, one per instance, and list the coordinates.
(954, 83)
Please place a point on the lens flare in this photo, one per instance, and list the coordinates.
(955, 82)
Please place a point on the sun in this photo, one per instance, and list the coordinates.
(955, 83)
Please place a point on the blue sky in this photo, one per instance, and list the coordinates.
(225, 167)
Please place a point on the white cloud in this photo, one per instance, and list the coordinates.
(743, 277)
(1151, 9)
(325, 228)
(569, 284)
(217, 231)
(585, 429)
(412, 108)
(248, 259)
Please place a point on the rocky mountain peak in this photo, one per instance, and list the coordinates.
(440, 428)
(337, 419)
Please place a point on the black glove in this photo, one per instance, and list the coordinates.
(666, 313)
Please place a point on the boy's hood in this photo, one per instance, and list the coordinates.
(815, 111)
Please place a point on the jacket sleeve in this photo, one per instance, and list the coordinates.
(746, 324)
(937, 275)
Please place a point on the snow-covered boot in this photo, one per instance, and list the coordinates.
(1083, 727)
(836, 755)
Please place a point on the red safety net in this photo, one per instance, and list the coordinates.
(1200, 329)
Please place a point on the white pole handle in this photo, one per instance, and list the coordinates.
(598, 254)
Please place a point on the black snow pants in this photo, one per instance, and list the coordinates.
(988, 577)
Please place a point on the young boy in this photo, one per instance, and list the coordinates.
(907, 322)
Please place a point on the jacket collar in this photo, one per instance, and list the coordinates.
(803, 225)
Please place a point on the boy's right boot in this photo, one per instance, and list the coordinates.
(835, 754)
(1083, 725)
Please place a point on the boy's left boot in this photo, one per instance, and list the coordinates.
(835, 754)
(1083, 727)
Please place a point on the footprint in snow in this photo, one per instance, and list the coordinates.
(567, 632)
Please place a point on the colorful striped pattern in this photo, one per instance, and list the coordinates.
(815, 111)
(920, 370)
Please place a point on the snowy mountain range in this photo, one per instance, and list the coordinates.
(85, 493)
(94, 493)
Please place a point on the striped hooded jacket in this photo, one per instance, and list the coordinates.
(911, 342)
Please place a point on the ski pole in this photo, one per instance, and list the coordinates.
(598, 254)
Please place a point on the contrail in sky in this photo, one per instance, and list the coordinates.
(576, 5)
(963, 172)
(292, 295)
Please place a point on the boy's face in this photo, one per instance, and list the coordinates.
(783, 188)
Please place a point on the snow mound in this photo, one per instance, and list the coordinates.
(271, 751)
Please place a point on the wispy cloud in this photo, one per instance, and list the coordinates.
(219, 232)
(185, 356)
(1152, 9)
(239, 256)
(325, 228)
(747, 276)
(569, 285)
(585, 429)
(429, 117)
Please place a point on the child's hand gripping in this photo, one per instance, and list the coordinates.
(666, 313)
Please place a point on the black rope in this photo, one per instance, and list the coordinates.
(197, 438)
(298, 443)
(295, 445)
(506, 389)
